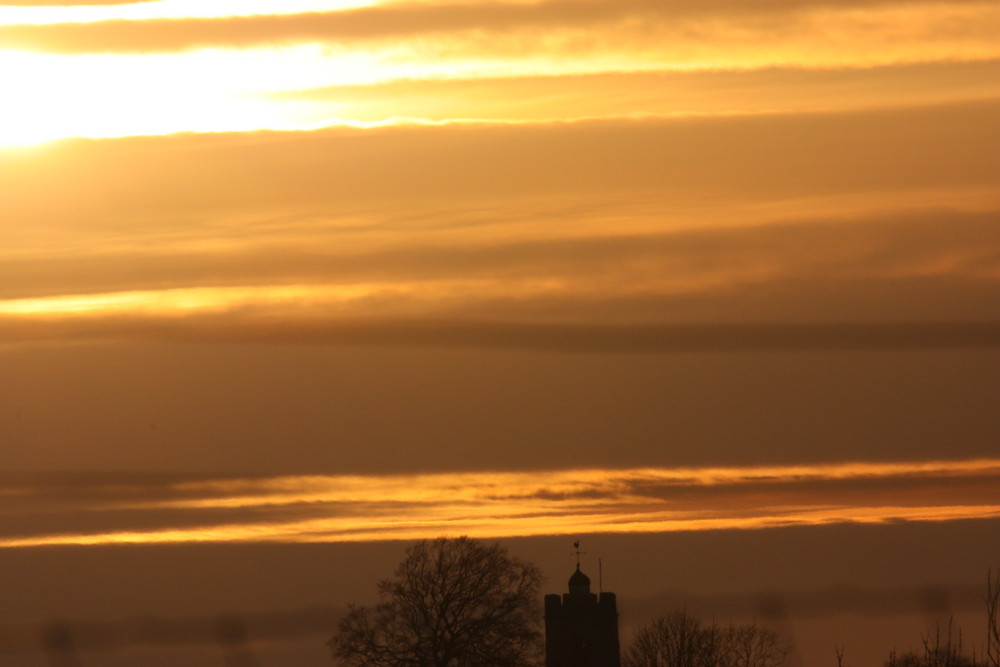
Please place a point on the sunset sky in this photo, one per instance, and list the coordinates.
(712, 286)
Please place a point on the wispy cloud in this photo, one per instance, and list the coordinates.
(456, 26)
(639, 292)
(49, 12)
(209, 67)
(665, 223)
(383, 182)
(494, 504)
(669, 93)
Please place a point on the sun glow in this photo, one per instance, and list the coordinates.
(169, 9)
(232, 90)
(100, 96)
(211, 90)
(284, 78)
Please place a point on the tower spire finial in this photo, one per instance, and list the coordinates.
(576, 546)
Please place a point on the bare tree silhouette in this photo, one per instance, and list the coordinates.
(940, 650)
(681, 640)
(945, 649)
(451, 603)
(992, 620)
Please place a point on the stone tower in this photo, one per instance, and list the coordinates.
(581, 628)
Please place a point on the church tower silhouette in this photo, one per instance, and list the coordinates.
(581, 628)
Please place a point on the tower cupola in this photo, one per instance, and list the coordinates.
(579, 583)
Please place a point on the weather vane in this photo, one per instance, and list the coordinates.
(576, 546)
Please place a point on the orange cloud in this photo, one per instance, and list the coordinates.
(495, 504)
(258, 72)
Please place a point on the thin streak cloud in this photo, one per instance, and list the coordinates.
(241, 26)
(49, 12)
(192, 74)
(364, 508)
(674, 94)
(631, 36)
(591, 292)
